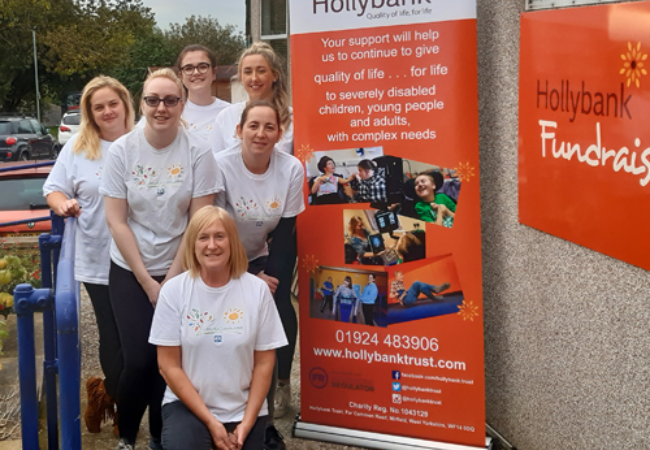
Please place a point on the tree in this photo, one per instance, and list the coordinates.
(223, 40)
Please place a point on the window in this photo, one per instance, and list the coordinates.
(24, 127)
(37, 126)
(5, 127)
(274, 19)
(72, 119)
(550, 4)
(19, 194)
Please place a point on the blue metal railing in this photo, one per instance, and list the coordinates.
(26, 166)
(61, 341)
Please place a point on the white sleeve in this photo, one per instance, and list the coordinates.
(112, 183)
(270, 333)
(295, 198)
(167, 318)
(215, 139)
(207, 176)
(59, 179)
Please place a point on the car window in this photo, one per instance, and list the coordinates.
(37, 126)
(73, 119)
(5, 127)
(24, 127)
(18, 194)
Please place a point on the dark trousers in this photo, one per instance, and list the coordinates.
(110, 350)
(140, 384)
(182, 430)
(367, 313)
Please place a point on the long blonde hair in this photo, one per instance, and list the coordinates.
(88, 139)
(170, 75)
(280, 95)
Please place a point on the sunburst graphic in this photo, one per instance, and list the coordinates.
(305, 153)
(175, 171)
(310, 263)
(273, 204)
(464, 171)
(633, 65)
(468, 310)
(233, 315)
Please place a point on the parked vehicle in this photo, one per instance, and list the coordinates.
(21, 198)
(24, 138)
(69, 125)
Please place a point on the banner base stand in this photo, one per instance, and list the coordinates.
(368, 439)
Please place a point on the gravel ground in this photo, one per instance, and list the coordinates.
(106, 441)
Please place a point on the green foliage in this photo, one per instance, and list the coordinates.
(18, 265)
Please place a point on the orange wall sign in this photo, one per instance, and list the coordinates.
(584, 140)
(392, 84)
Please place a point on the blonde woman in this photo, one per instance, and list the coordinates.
(260, 72)
(208, 403)
(72, 189)
(154, 179)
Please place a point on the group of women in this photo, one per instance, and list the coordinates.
(191, 300)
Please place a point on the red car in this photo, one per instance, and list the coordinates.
(21, 197)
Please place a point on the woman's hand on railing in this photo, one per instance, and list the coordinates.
(68, 208)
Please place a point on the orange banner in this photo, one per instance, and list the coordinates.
(386, 122)
(584, 145)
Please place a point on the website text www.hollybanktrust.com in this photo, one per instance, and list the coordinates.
(377, 357)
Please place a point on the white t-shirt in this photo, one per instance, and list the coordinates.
(158, 186)
(78, 178)
(257, 202)
(224, 133)
(200, 119)
(218, 330)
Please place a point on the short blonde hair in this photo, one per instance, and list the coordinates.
(170, 75)
(88, 140)
(202, 219)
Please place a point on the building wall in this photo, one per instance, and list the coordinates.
(567, 340)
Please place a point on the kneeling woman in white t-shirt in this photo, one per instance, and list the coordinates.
(263, 193)
(154, 179)
(216, 328)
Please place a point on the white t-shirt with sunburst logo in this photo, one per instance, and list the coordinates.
(159, 185)
(258, 202)
(213, 326)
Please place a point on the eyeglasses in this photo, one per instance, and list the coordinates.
(201, 68)
(169, 102)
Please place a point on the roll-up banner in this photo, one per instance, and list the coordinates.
(386, 123)
(584, 140)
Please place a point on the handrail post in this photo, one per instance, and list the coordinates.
(27, 301)
(47, 245)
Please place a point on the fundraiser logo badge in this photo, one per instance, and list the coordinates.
(318, 377)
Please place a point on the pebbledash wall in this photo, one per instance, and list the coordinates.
(567, 329)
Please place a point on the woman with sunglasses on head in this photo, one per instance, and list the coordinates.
(260, 72)
(197, 67)
(72, 189)
(263, 192)
(154, 179)
(208, 403)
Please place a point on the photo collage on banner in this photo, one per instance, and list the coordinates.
(583, 132)
(386, 123)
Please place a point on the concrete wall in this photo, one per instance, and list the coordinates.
(567, 340)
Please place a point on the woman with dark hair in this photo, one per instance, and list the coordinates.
(327, 189)
(155, 178)
(72, 189)
(212, 313)
(260, 71)
(197, 68)
(346, 301)
(263, 192)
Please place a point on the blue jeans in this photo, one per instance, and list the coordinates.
(416, 289)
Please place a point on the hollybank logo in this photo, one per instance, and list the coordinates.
(318, 377)
(575, 99)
